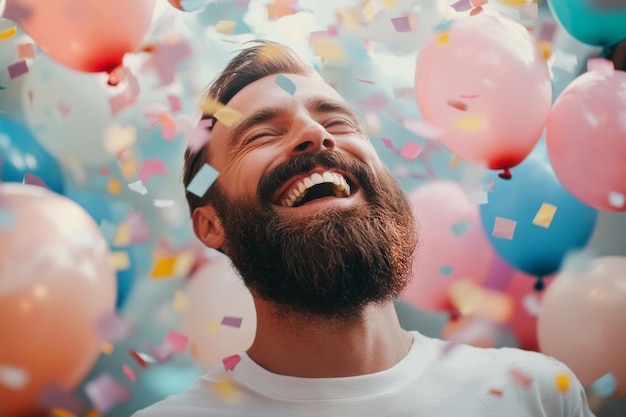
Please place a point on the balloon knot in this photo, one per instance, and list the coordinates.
(506, 174)
(539, 284)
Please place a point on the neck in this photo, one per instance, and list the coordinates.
(310, 348)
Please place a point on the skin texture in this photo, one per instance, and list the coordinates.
(257, 164)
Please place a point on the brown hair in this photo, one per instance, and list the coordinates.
(249, 65)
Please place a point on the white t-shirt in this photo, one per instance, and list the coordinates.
(429, 381)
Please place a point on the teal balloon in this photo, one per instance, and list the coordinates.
(535, 249)
(594, 22)
(21, 154)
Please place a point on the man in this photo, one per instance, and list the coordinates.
(323, 237)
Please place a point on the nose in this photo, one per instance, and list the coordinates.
(312, 137)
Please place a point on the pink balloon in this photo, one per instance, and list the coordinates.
(453, 245)
(220, 319)
(85, 35)
(483, 81)
(56, 282)
(586, 139)
(582, 320)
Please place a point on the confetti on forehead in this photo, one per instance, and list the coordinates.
(286, 84)
(227, 115)
(545, 215)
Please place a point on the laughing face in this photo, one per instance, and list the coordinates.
(305, 209)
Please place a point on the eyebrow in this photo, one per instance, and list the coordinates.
(318, 104)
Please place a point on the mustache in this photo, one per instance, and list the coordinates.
(304, 163)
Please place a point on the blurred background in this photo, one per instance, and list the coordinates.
(503, 120)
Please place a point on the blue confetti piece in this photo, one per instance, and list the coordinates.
(605, 386)
(460, 228)
(446, 270)
(2, 87)
(286, 84)
(443, 25)
(203, 180)
(191, 5)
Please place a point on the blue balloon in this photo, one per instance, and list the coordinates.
(21, 154)
(599, 22)
(534, 248)
(100, 208)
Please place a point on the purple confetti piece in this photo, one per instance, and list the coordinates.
(31, 179)
(17, 69)
(401, 24)
(113, 328)
(462, 5)
(105, 392)
(232, 321)
(54, 396)
(499, 275)
(163, 352)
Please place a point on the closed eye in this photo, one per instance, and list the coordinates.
(259, 135)
(340, 125)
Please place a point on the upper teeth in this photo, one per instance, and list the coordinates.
(298, 190)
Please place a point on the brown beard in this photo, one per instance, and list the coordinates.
(330, 264)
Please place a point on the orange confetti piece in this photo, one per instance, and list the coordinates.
(514, 2)
(225, 26)
(210, 106)
(495, 392)
(475, 11)
(459, 105)
(280, 8)
(168, 121)
(26, 50)
(365, 81)
(129, 168)
(562, 382)
(60, 412)
(92, 413)
(546, 49)
(114, 186)
(107, 348)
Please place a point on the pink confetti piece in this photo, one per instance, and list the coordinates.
(469, 96)
(140, 230)
(422, 128)
(504, 228)
(231, 361)
(163, 352)
(174, 103)
(63, 108)
(26, 50)
(105, 392)
(601, 65)
(520, 377)
(166, 57)
(388, 143)
(151, 167)
(401, 24)
(478, 3)
(55, 396)
(547, 31)
(529, 11)
(113, 328)
(177, 340)
(232, 321)
(117, 103)
(32, 179)
(17, 69)
(374, 102)
(130, 374)
(404, 93)
(410, 150)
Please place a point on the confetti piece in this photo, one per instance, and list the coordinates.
(562, 382)
(532, 305)
(469, 124)
(55, 396)
(410, 150)
(105, 392)
(331, 51)
(17, 69)
(361, 80)
(514, 2)
(163, 352)
(26, 50)
(113, 328)
(286, 84)
(446, 270)
(459, 105)
(177, 340)
(159, 202)
(280, 8)
(117, 103)
(231, 361)
(130, 170)
(616, 199)
(401, 24)
(520, 377)
(92, 413)
(107, 348)
(601, 65)
(130, 374)
(141, 358)
(122, 235)
(8, 33)
(213, 327)
(504, 228)
(388, 143)
(140, 229)
(120, 260)
(473, 300)
(461, 5)
(404, 93)
(443, 38)
(225, 26)
(138, 187)
(547, 31)
(114, 186)
(545, 215)
(476, 195)
(460, 228)
(32, 179)
(60, 412)
(151, 167)
(374, 102)
(495, 392)
(546, 49)
(529, 11)
(226, 391)
(164, 267)
(13, 377)
(478, 3)
(203, 179)
(180, 302)
(605, 386)
(232, 321)
(227, 115)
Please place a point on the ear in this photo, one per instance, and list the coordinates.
(208, 227)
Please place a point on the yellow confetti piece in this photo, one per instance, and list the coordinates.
(270, 52)
(227, 115)
(443, 38)
(469, 124)
(129, 168)
(180, 302)
(164, 267)
(545, 215)
(120, 260)
(471, 299)
(212, 327)
(107, 348)
(514, 2)
(546, 49)
(226, 391)
(210, 106)
(123, 235)
(8, 33)
(330, 50)
(118, 138)
(348, 19)
(225, 26)
(562, 382)
(114, 186)
(371, 9)
(60, 412)
(389, 4)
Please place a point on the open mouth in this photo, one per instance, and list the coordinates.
(315, 186)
